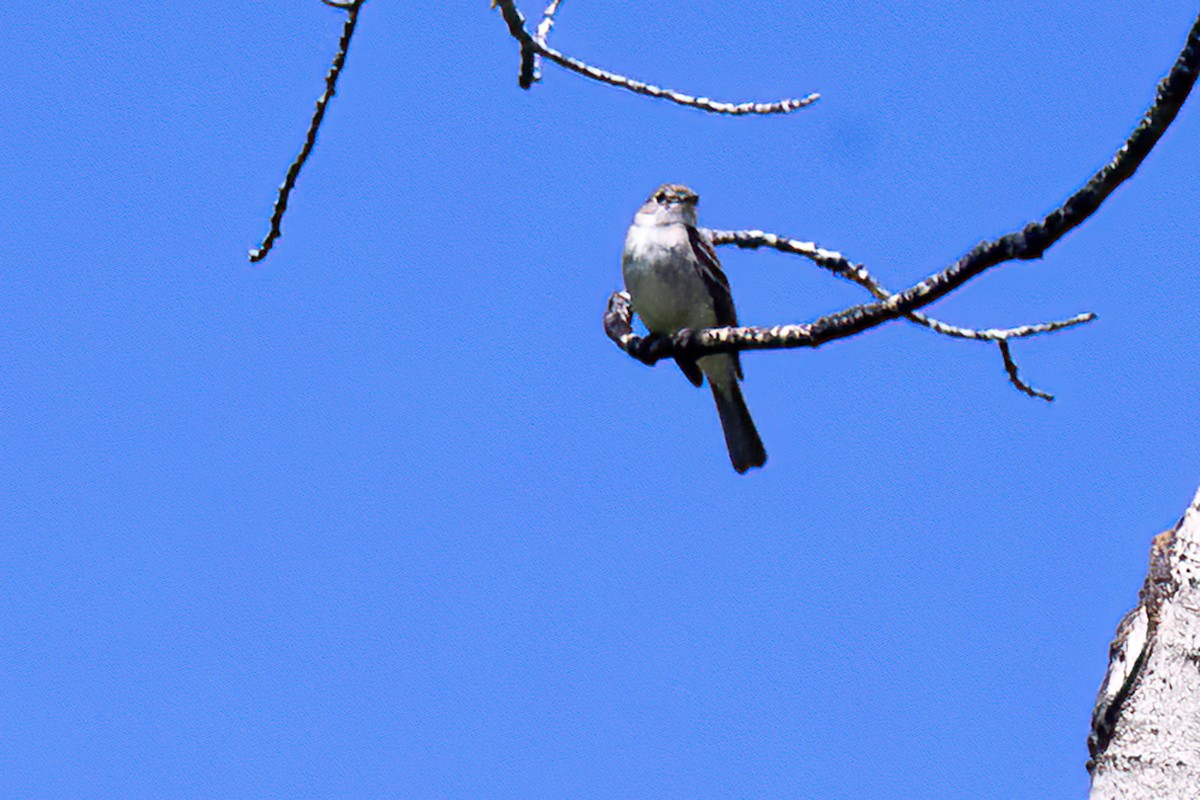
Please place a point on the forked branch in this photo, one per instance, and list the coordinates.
(534, 47)
(841, 266)
(1028, 243)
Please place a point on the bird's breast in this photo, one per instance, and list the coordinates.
(663, 281)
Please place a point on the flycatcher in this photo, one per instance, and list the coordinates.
(675, 281)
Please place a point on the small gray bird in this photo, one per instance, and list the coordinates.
(675, 281)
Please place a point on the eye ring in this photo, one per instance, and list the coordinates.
(660, 198)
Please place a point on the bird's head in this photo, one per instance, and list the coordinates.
(672, 203)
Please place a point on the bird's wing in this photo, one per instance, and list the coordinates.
(716, 283)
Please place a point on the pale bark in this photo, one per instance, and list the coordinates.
(1145, 738)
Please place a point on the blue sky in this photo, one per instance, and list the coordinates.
(387, 516)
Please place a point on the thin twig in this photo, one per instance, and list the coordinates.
(1003, 334)
(531, 47)
(843, 267)
(351, 7)
(543, 32)
(1011, 367)
(703, 103)
(1028, 243)
(547, 23)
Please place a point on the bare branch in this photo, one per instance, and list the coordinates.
(1035, 238)
(1002, 334)
(829, 260)
(532, 46)
(547, 23)
(543, 32)
(702, 103)
(529, 48)
(1011, 367)
(841, 266)
(351, 7)
(1028, 243)
(618, 324)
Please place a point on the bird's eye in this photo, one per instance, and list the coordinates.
(661, 197)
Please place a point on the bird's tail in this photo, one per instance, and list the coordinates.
(741, 437)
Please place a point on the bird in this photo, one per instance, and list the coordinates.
(674, 281)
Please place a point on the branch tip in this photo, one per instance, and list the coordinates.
(1031, 241)
(533, 48)
(351, 7)
(1010, 366)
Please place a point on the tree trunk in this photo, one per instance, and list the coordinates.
(1145, 740)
